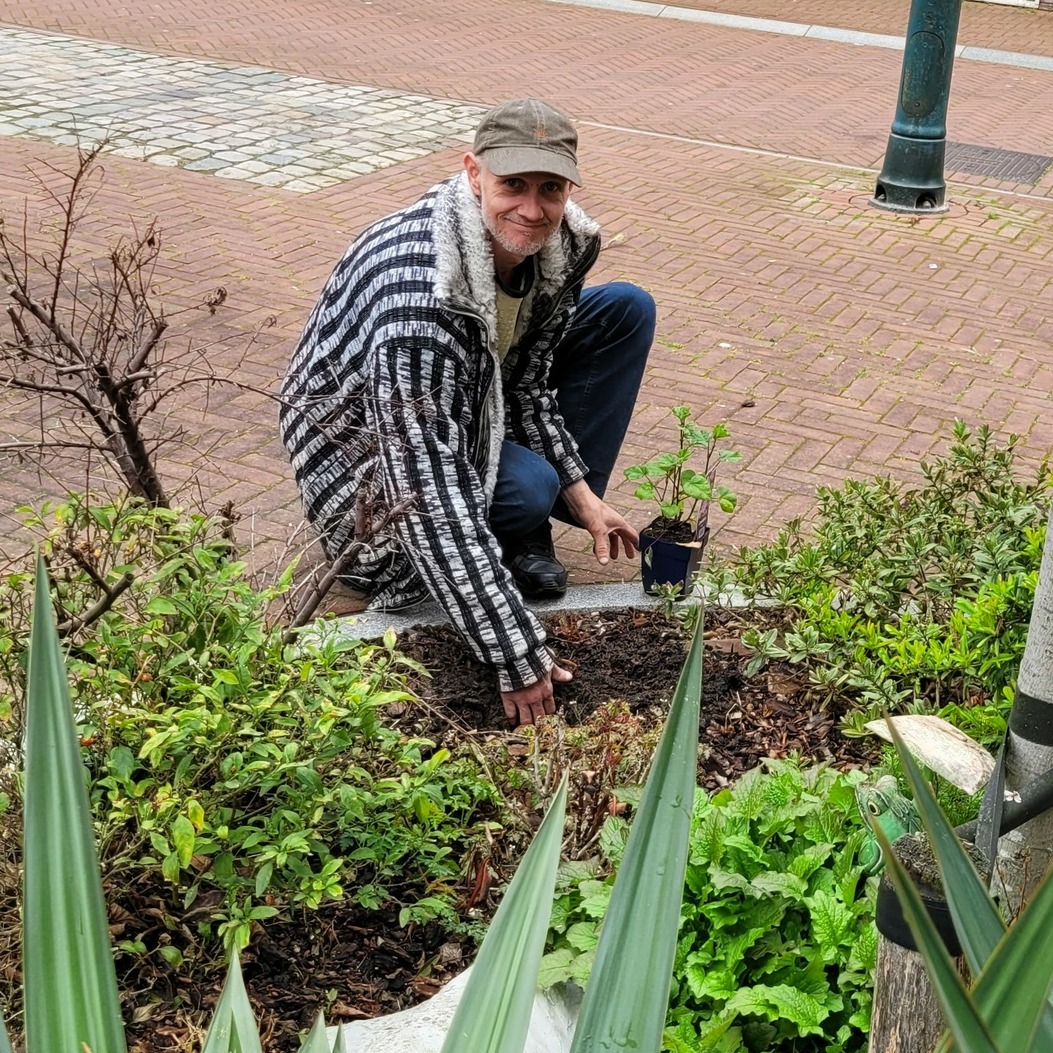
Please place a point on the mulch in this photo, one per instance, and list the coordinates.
(635, 656)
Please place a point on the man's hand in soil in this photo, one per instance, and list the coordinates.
(529, 704)
(607, 527)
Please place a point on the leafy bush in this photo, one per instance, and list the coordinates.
(903, 598)
(777, 941)
(230, 774)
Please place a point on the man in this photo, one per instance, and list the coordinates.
(454, 361)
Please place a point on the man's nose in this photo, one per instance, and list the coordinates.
(530, 207)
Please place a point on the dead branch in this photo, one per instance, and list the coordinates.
(111, 593)
(365, 534)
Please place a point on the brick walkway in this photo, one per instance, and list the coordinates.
(730, 169)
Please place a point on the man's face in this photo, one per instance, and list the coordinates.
(520, 211)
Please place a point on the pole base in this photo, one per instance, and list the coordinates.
(912, 177)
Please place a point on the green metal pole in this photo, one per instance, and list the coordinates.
(912, 177)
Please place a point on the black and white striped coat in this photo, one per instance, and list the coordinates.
(394, 392)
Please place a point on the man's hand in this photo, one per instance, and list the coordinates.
(607, 527)
(529, 704)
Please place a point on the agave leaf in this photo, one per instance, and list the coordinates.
(967, 1027)
(233, 1028)
(5, 1042)
(71, 998)
(493, 1015)
(316, 1042)
(628, 991)
(338, 1040)
(1013, 990)
(977, 921)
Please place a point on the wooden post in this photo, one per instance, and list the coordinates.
(906, 1017)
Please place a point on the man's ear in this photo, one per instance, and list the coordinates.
(474, 170)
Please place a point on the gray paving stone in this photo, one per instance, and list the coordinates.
(213, 116)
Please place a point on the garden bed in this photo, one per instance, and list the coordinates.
(356, 963)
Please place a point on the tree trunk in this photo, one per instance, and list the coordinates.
(1025, 854)
(906, 1017)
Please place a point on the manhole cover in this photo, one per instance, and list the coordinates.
(1010, 165)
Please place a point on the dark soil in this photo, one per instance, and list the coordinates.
(635, 657)
(353, 963)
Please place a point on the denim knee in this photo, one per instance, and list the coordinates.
(527, 488)
(631, 309)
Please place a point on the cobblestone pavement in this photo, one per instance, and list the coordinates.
(237, 122)
(730, 169)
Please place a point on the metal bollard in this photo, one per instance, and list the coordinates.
(911, 179)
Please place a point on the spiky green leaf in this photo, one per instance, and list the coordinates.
(628, 990)
(233, 1028)
(71, 999)
(493, 1015)
(977, 921)
(316, 1040)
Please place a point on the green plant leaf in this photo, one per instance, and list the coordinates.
(494, 1012)
(1013, 991)
(628, 990)
(316, 1041)
(5, 1042)
(71, 998)
(959, 1011)
(977, 921)
(233, 1028)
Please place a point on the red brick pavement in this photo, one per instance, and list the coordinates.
(858, 335)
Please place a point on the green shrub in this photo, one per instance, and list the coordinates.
(777, 941)
(902, 598)
(230, 774)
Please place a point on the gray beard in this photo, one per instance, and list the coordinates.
(509, 246)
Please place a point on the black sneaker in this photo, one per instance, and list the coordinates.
(533, 564)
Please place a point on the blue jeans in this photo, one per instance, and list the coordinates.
(596, 372)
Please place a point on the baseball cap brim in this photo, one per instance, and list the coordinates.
(516, 160)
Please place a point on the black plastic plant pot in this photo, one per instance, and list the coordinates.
(665, 562)
(892, 925)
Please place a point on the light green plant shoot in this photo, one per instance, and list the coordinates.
(493, 1015)
(5, 1042)
(628, 992)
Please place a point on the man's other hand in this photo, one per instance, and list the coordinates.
(529, 704)
(608, 528)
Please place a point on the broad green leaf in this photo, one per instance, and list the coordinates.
(71, 998)
(233, 1028)
(782, 1002)
(977, 921)
(960, 1013)
(182, 831)
(494, 1012)
(316, 1040)
(628, 990)
(161, 605)
(5, 1042)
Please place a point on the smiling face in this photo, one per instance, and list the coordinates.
(520, 212)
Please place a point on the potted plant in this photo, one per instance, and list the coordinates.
(671, 545)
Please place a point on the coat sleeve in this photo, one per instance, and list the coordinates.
(424, 452)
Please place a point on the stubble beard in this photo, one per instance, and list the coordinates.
(516, 248)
